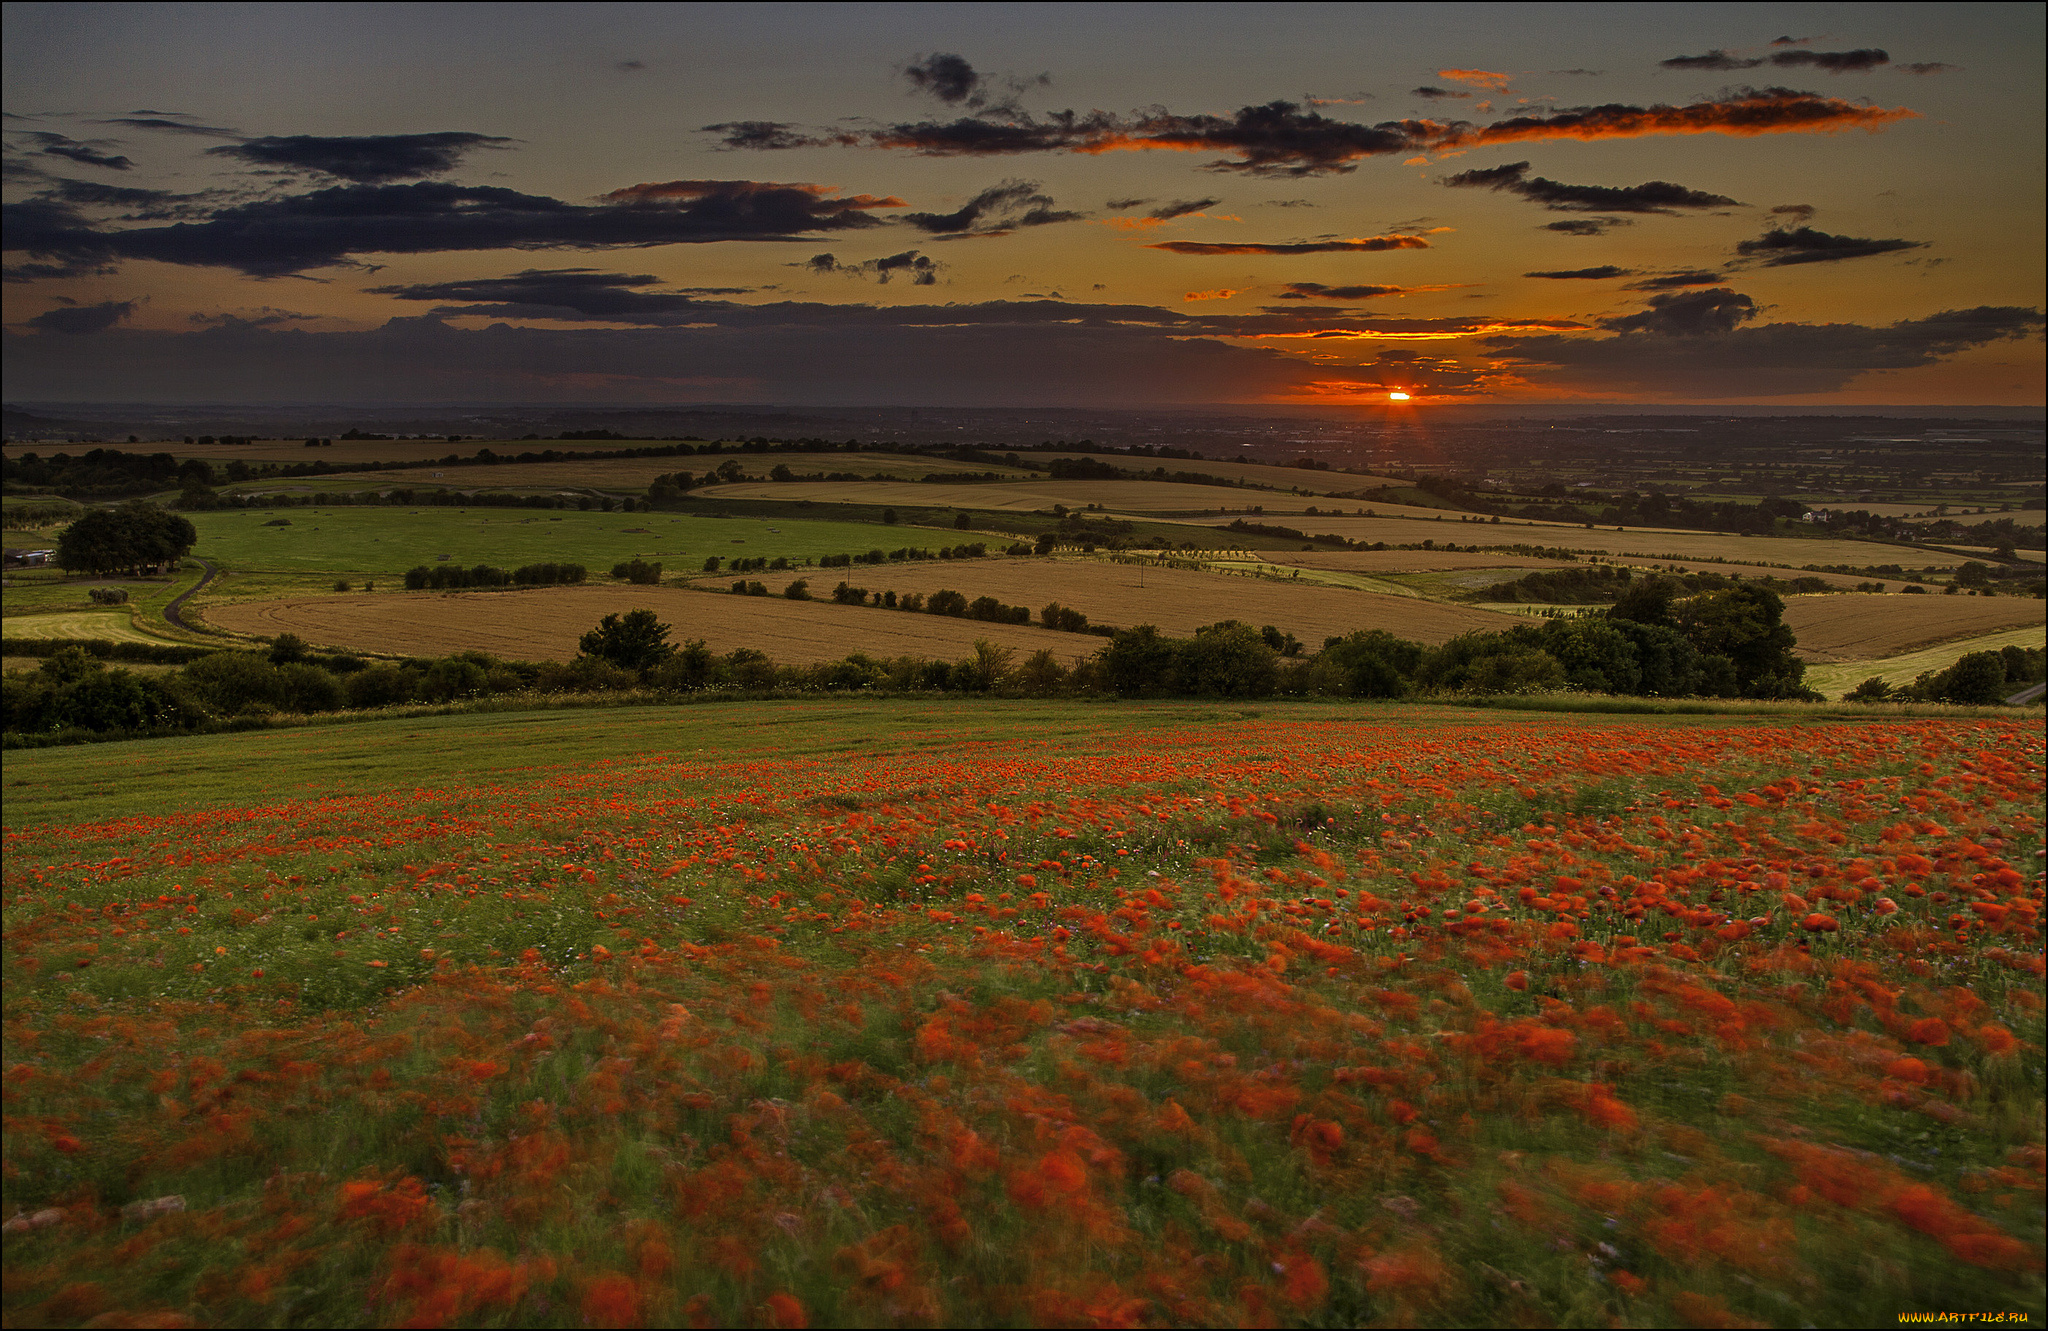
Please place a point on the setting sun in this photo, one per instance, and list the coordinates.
(1397, 397)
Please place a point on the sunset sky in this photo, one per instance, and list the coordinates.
(1025, 204)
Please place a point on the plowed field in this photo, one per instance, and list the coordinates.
(1858, 628)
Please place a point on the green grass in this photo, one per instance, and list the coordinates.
(390, 540)
(1838, 678)
(94, 781)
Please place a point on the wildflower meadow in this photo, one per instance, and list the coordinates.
(1309, 1017)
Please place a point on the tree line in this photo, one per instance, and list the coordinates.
(1728, 644)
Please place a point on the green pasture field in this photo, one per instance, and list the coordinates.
(1834, 680)
(388, 540)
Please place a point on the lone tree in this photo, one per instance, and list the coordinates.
(637, 642)
(127, 539)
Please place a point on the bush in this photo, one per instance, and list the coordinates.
(638, 641)
(546, 575)
(638, 572)
(108, 595)
(378, 686)
(450, 679)
(232, 682)
(308, 688)
(945, 602)
(800, 590)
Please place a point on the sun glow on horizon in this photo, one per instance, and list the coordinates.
(1397, 397)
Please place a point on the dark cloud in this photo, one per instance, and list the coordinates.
(138, 205)
(141, 121)
(1370, 244)
(1779, 249)
(586, 295)
(330, 227)
(79, 320)
(1317, 291)
(1589, 73)
(947, 77)
(1834, 62)
(1716, 59)
(89, 154)
(372, 159)
(630, 66)
(1434, 93)
(1791, 41)
(923, 270)
(1801, 211)
(766, 135)
(1656, 196)
(1120, 205)
(1926, 67)
(1166, 212)
(996, 211)
(1759, 361)
(1677, 281)
(267, 317)
(1290, 203)
(570, 294)
(1587, 226)
(1279, 138)
(1688, 314)
(1591, 274)
(1744, 113)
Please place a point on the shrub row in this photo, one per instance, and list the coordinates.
(445, 577)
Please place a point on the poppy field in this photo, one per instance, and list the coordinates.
(1160, 1016)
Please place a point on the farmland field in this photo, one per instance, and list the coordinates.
(2025, 517)
(624, 475)
(1639, 541)
(1024, 495)
(343, 452)
(113, 625)
(392, 540)
(544, 624)
(1854, 628)
(1177, 600)
(1252, 473)
(848, 1013)
(1837, 678)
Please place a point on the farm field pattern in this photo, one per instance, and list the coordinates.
(1177, 600)
(545, 624)
(392, 540)
(1835, 678)
(1849, 627)
(837, 1013)
(1645, 542)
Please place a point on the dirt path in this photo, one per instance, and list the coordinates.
(177, 602)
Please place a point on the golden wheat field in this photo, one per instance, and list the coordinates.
(1643, 542)
(1146, 497)
(544, 624)
(1178, 601)
(2028, 517)
(1252, 473)
(1439, 561)
(1862, 627)
(345, 451)
(638, 473)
